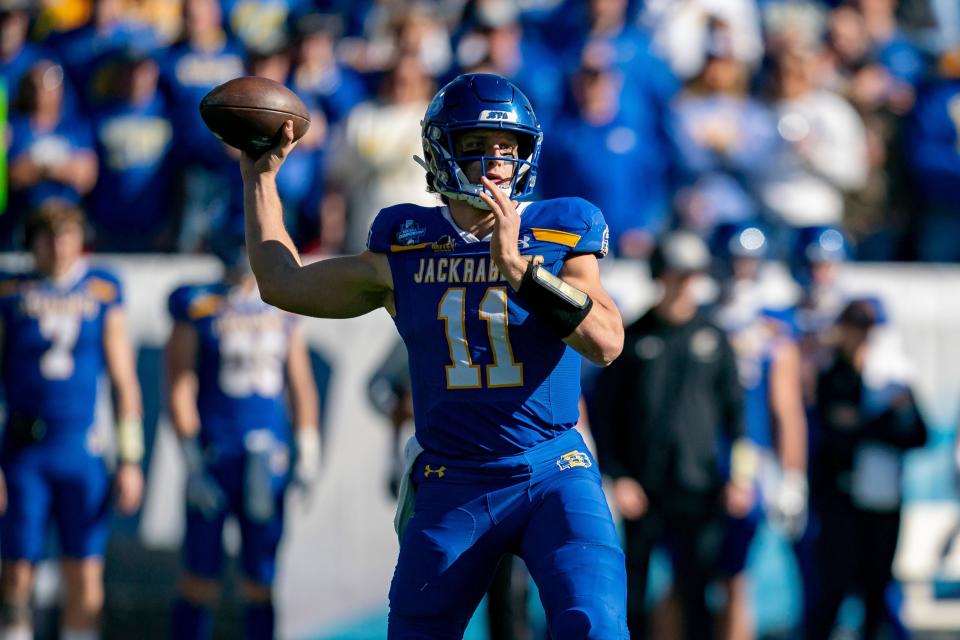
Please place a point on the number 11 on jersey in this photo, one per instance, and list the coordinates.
(462, 373)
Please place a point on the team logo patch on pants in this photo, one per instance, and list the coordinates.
(573, 459)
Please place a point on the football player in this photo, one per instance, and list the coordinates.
(231, 358)
(495, 300)
(62, 324)
(815, 258)
(768, 363)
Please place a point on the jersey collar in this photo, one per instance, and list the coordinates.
(468, 237)
(70, 278)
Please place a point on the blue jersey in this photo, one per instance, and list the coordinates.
(755, 340)
(257, 23)
(490, 379)
(243, 348)
(47, 147)
(53, 345)
(187, 74)
(134, 143)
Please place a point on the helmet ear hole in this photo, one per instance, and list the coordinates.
(525, 146)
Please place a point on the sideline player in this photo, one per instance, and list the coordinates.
(493, 335)
(768, 363)
(230, 360)
(62, 325)
(816, 258)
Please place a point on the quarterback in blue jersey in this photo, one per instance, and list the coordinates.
(768, 364)
(231, 359)
(62, 326)
(494, 300)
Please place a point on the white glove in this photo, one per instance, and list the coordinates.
(787, 508)
(203, 492)
(306, 470)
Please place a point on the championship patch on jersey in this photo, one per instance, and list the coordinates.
(573, 459)
(410, 233)
(605, 243)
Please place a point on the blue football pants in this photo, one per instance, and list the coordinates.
(59, 481)
(546, 506)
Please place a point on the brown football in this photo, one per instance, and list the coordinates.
(248, 112)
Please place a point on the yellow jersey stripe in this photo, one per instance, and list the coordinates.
(558, 237)
(394, 248)
(102, 290)
(203, 307)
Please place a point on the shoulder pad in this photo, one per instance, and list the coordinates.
(179, 302)
(782, 322)
(573, 222)
(104, 286)
(193, 302)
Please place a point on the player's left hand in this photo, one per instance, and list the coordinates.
(738, 498)
(306, 469)
(506, 233)
(129, 483)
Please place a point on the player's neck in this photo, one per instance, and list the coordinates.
(478, 222)
(59, 272)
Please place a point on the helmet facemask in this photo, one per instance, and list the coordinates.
(447, 169)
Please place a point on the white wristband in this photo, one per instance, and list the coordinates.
(130, 439)
(308, 444)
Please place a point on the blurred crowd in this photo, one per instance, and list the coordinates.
(666, 113)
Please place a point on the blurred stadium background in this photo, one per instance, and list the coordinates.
(666, 113)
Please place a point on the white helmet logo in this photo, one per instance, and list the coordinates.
(502, 116)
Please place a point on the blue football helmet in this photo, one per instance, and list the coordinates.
(820, 243)
(816, 244)
(739, 240)
(478, 101)
(736, 240)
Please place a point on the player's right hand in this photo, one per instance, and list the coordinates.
(204, 494)
(272, 159)
(129, 483)
(630, 498)
(506, 232)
